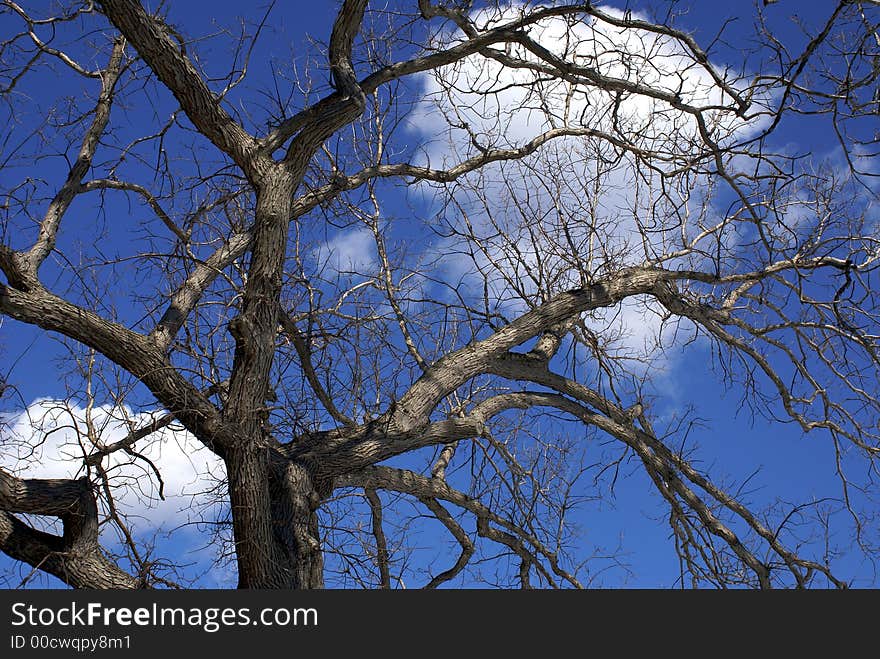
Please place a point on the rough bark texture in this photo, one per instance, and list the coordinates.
(483, 364)
(76, 556)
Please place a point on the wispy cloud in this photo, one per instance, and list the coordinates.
(348, 252)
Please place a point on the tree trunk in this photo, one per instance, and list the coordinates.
(295, 500)
(291, 557)
(273, 499)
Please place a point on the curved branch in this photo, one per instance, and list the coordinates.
(42, 47)
(467, 545)
(75, 557)
(337, 103)
(111, 184)
(379, 535)
(659, 460)
(509, 534)
(456, 368)
(342, 183)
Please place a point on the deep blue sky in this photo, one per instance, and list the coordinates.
(787, 465)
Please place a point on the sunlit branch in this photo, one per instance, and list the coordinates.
(61, 202)
(152, 39)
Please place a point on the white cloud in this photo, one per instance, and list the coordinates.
(505, 105)
(51, 437)
(542, 220)
(350, 251)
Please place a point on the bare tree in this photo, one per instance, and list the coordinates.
(523, 187)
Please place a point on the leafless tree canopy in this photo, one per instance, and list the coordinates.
(425, 270)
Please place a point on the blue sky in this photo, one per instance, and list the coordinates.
(775, 463)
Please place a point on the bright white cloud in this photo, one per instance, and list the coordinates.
(50, 438)
(503, 105)
(568, 211)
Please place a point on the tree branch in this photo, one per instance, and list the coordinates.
(61, 202)
(130, 350)
(76, 557)
(188, 294)
(152, 39)
(456, 368)
(467, 545)
(379, 535)
(345, 29)
(512, 536)
(305, 362)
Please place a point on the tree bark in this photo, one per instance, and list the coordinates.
(295, 500)
(273, 499)
(75, 557)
